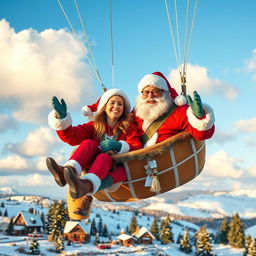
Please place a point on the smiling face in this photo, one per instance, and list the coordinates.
(114, 108)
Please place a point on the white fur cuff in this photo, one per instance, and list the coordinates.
(95, 180)
(201, 124)
(59, 124)
(125, 147)
(74, 164)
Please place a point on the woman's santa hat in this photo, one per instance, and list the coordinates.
(96, 107)
(158, 80)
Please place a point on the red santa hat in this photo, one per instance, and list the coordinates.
(158, 80)
(96, 107)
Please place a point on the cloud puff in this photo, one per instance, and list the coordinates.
(198, 80)
(247, 126)
(35, 66)
(38, 142)
(7, 123)
(38, 180)
(251, 64)
(222, 137)
(221, 165)
(13, 162)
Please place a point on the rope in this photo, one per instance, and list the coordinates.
(112, 47)
(187, 44)
(94, 68)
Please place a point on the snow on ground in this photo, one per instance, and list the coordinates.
(9, 247)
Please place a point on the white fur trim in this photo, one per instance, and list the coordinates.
(154, 80)
(95, 180)
(125, 147)
(59, 124)
(112, 92)
(152, 140)
(86, 111)
(180, 100)
(201, 124)
(76, 165)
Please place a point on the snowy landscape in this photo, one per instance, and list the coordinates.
(187, 210)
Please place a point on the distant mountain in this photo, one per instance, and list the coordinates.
(197, 204)
(7, 191)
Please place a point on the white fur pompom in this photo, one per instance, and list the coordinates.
(180, 100)
(86, 111)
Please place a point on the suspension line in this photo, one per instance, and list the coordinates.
(111, 40)
(94, 68)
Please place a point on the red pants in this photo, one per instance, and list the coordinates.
(89, 156)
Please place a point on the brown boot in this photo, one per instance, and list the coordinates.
(57, 171)
(77, 186)
(85, 207)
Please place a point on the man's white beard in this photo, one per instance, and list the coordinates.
(149, 112)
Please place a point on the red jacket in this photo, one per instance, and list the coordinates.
(74, 135)
(182, 119)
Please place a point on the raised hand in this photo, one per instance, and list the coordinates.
(109, 144)
(196, 105)
(60, 107)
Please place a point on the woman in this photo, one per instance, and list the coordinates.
(112, 131)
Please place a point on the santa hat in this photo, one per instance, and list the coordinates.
(158, 80)
(96, 107)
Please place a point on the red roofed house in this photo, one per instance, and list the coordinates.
(77, 231)
(143, 236)
(26, 222)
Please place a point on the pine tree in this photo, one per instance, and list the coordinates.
(252, 248)
(97, 239)
(100, 226)
(59, 245)
(223, 233)
(203, 243)
(105, 231)
(10, 229)
(5, 213)
(133, 224)
(94, 230)
(34, 246)
(58, 220)
(236, 232)
(154, 228)
(184, 243)
(166, 235)
(247, 244)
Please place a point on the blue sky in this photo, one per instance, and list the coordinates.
(40, 58)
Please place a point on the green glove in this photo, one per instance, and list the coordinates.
(107, 182)
(196, 105)
(60, 107)
(110, 144)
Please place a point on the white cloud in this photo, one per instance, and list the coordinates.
(252, 171)
(34, 66)
(248, 125)
(222, 137)
(38, 180)
(13, 162)
(7, 123)
(198, 80)
(222, 165)
(251, 64)
(38, 142)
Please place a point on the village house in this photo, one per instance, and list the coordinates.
(143, 236)
(77, 231)
(26, 222)
(126, 240)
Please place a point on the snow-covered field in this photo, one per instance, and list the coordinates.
(202, 205)
(8, 247)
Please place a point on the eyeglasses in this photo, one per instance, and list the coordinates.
(155, 92)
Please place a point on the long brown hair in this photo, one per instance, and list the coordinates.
(122, 124)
